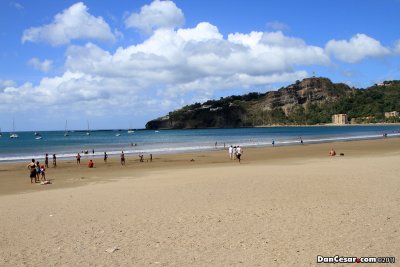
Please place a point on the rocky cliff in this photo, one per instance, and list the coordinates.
(310, 101)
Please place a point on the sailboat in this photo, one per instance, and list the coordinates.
(66, 128)
(13, 134)
(88, 131)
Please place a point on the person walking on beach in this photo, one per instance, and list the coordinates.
(46, 160)
(230, 151)
(54, 160)
(32, 171)
(151, 157)
(105, 157)
(78, 159)
(273, 142)
(122, 158)
(239, 152)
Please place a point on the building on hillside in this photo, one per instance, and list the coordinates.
(339, 119)
(391, 114)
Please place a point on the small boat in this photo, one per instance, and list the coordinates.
(118, 134)
(130, 131)
(38, 137)
(156, 131)
(13, 135)
(66, 128)
(88, 131)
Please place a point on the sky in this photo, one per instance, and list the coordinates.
(119, 64)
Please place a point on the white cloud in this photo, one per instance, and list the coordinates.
(168, 69)
(45, 65)
(16, 5)
(73, 23)
(359, 47)
(6, 83)
(159, 14)
(277, 26)
(397, 47)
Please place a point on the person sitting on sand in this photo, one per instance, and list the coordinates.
(32, 168)
(91, 164)
(332, 152)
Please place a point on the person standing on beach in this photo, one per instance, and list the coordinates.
(301, 141)
(239, 152)
(78, 159)
(54, 161)
(122, 158)
(105, 157)
(37, 167)
(273, 142)
(216, 144)
(46, 160)
(151, 157)
(32, 171)
(230, 151)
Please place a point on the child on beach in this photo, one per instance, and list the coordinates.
(43, 173)
(239, 152)
(91, 164)
(332, 152)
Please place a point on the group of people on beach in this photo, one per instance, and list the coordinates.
(37, 172)
(235, 152)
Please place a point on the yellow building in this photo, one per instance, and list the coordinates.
(339, 119)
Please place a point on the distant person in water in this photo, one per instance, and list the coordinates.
(105, 157)
(332, 152)
(78, 159)
(46, 160)
(91, 164)
(32, 171)
(122, 158)
(54, 160)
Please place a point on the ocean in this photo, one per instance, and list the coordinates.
(153, 142)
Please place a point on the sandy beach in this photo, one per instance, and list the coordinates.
(281, 206)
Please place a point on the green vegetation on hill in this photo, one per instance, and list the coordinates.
(308, 102)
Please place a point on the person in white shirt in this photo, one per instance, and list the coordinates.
(230, 150)
(239, 152)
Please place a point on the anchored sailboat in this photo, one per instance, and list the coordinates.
(13, 134)
(88, 131)
(66, 128)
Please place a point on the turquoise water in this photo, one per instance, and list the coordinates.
(175, 141)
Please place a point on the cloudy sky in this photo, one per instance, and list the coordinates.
(121, 63)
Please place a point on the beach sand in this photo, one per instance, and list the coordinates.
(280, 206)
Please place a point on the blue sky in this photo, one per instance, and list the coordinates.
(120, 64)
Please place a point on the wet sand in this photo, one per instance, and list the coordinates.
(280, 206)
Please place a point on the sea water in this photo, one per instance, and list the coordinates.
(175, 141)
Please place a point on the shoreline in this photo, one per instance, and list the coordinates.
(174, 151)
(69, 174)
